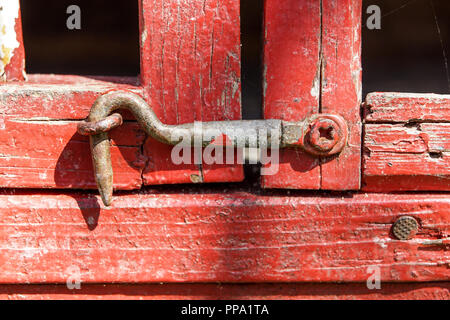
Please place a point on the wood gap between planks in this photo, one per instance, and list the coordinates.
(321, 76)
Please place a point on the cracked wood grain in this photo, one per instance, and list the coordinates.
(312, 64)
(39, 144)
(190, 71)
(400, 107)
(219, 236)
(50, 154)
(406, 142)
(292, 83)
(400, 157)
(341, 88)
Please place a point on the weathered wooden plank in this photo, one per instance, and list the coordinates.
(55, 97)
(407, 142)
(313, 64)
(341, 88)
(12, 53)
(292, 41)
(269, 291)
(39, 146)
(190, 68)
(406, 107)
(218, 236)
(403, 157)
(51, 154)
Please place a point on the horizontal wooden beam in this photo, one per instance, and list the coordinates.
(219, 236)
(406, 142)
(406, 107)
(39, 143)
(401, 157)
(57, 97)
(51, 154)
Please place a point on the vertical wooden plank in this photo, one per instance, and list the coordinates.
(190, 65)
(292, 82)
(341, 88)
(12, 53)
(313, 65)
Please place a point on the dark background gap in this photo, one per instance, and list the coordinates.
(107, 44)
(406, 55)
(252, 13)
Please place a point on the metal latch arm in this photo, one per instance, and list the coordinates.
(319, 135)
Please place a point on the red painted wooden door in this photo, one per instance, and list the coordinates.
(190, 70)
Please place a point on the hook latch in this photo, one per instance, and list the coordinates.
(320, 135)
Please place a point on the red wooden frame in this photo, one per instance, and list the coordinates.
(224, 235)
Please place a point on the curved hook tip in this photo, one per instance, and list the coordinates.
(106, 196)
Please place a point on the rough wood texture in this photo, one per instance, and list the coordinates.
(39, 146)
(219, 236)
(190, 69)
(12, 53)
(56, 97)
(355, 291)
(406, 107)
(51, 154)
(408, 151)
(312, 64)
(341, 88)
(292, 82)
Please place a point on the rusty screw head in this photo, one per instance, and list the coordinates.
(405, 228)
(327, 135)
(324, 134)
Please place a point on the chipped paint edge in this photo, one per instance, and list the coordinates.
(9, 12)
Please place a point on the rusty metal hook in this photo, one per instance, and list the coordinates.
(271, 134)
